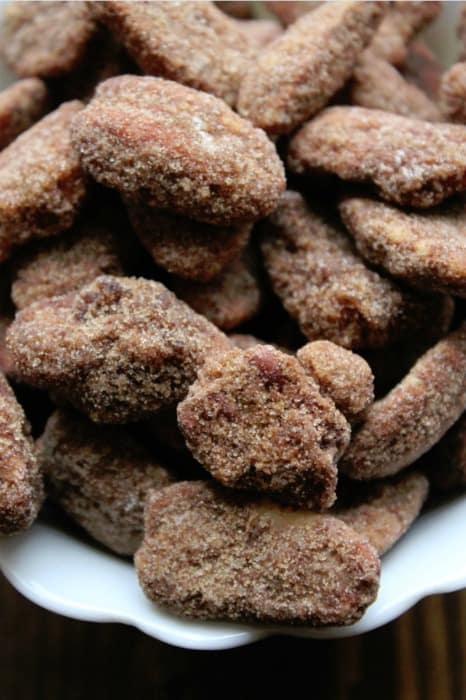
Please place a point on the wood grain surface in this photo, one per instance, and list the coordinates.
(420, 656)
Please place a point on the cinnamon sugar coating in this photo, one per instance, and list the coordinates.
(427, 248)
(376, 84)
(184, 247)
(255, 420)
(193, 43)
(181, 149)
(118, 349)
(21, 489)
(414, 415)
(21, 104)
(453, 93)
(260, 32)
(66, 264)
(290, 10)
(213, 554)
(230, 299)
(409, 161)
(400, 24)
(244, 341)
(422, 68)
(42, 185)
(447, 460)
(45, 39)
(6, 362)
(100, 475)
(295, 76)
(386, 510)
(328, 289)
(342, 375)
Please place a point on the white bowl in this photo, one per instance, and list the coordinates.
(71, 577)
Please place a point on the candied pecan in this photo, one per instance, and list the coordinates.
(181, 149)
(410, 162)
(100, 475)
(426, 248)
(447, 459)
(118, 349)
(376, 84)
(42, 185)
(45, 38)
(326, 286)
(297, 74)
(21, 489)
(386, 509)
(213, 554)
(61, 265)
(193, 43)
(230, 299)
(402, 21)
(422, 68)
(340, 374)
(255, 420)
(453, 93)
(21, 104)
(260, 32)
(184, 247)
(414, 415)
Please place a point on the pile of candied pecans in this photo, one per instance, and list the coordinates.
(257, 475)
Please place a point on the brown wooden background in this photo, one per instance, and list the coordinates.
(420, 656)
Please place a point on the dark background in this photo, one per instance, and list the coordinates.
(420, 656)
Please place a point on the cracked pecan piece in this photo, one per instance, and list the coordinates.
(255, 420)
